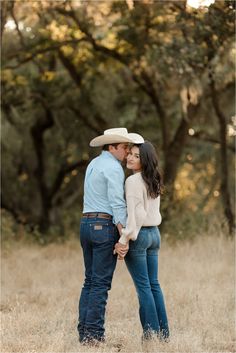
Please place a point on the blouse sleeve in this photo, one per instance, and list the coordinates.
(136, 213)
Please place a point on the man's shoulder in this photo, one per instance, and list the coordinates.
(104, 160)
(107, 165)
(93, 162)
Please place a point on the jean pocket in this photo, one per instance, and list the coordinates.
(102, 232)
(82, 232)
(141, 242)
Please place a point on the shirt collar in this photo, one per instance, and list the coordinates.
(109, 155)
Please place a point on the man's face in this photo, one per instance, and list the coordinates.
(120, 152)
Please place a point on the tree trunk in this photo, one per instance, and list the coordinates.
(47, 194)
(174, 153)
(175, 149)
(37, 132)
(224, 186)
(6, 6)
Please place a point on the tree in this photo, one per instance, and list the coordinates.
(73, 69)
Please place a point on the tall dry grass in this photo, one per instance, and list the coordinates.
(41, 286)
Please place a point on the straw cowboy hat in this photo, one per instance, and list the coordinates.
(116, 135)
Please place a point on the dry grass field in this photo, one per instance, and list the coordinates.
(41, 286)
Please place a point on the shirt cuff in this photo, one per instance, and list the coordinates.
(119, 217)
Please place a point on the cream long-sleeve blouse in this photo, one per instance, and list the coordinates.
(143, 211)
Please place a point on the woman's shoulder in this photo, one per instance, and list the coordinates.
(134, 179)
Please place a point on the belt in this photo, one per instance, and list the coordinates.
(96, 215)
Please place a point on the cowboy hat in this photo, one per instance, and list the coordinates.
(116, 135)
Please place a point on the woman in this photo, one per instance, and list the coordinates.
(143, 190)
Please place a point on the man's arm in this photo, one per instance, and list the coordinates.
(120, 227)
(115, 185)
(115, 193)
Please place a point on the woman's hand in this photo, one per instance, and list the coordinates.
(121, 250)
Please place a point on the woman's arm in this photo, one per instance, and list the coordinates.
(135, 210)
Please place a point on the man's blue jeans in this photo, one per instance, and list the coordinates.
(142, 263)
(98, 237)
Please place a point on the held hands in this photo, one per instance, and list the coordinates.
(121, 250)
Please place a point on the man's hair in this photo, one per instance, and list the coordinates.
(106, 147)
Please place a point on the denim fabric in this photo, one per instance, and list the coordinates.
(98, 237)
(142, 263)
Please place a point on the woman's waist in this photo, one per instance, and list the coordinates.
(152, 221)
(148, 227)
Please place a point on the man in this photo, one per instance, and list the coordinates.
(104, 215)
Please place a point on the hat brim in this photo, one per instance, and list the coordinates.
(136, 138)
(109, 139)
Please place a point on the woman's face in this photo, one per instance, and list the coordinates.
(133, 160)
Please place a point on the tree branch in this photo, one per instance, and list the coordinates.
(201, 135)
(85, 120)
(52, 47)
(17, 28)
(71, 68)
(63, 172)
(106, 51)
(150, 90)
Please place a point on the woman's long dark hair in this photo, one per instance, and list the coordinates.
(150, 169)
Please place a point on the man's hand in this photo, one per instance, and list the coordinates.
(121, 250)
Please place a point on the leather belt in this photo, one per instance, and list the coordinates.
(96, 215)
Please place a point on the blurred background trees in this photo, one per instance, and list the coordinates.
(71, 69)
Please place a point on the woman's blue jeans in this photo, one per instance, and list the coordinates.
(142, 263)
(98, 237)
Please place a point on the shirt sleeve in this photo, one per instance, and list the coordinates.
(115, 192)
(136, 214)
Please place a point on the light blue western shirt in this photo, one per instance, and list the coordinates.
(104, 187)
